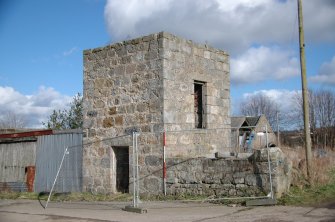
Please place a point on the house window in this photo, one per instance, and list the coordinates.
(199, 104)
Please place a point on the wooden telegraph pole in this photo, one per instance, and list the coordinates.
(305, 93)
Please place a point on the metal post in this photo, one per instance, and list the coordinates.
(134, 171)
(278, 139)
(53, 185)
(164, 163)
(269, 160)
(137, 171)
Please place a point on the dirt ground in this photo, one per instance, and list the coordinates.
(31, 210)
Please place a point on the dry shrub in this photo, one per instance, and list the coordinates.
(321, 166)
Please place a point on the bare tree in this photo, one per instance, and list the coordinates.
(11, 120)
(325, 118)
(322, 116)
(258, 104)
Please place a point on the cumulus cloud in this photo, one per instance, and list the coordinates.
(32, 108)
(236, 26)
(319, 20)
(263, 63)
(232, 25)
(326, 74)
(285, 99)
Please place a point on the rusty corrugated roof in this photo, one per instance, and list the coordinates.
(27, 134)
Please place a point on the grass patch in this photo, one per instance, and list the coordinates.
(18, 195)
(66, 196)
(313, 195)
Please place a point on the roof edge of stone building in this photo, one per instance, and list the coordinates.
(145, 38)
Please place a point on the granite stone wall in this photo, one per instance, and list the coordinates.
(184, 63)
(229, 177)
(123, 92)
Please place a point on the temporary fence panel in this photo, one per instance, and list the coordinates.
(180, 162)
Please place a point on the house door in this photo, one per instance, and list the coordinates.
(122, 169)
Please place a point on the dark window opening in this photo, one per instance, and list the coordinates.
(122, 169)
(199, 104)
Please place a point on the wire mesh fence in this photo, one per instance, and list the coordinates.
(204, 162)
(197, 162)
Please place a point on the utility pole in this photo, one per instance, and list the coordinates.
(305, 93)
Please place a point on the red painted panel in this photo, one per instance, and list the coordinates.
(30, 178)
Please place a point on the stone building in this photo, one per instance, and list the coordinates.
(151, 84)
(249, 133)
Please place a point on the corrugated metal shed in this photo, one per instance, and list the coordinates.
(15, 156)
(43, 150)
(50, 150)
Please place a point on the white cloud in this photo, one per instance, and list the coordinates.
(286, 99)
(263, 63)
(70, 51)
(123, 16)
(33, 108)
(236, 26)
(319, 20)
(233, 25)
(326, 73)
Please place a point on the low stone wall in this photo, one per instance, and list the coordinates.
(233, 176)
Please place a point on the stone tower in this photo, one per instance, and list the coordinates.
(151, 84)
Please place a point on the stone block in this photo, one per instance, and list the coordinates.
(238, 180)
(232, 192)
(105, 162)
(119, 120)
(108, 122)
(244, 155)
(99, 104)
(251, 180)
(153, 161)
(112, 111)
(207, 54)
(224, 154)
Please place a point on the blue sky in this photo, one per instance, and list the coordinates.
(42, 42)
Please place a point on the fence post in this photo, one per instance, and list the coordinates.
(137, 171)
(269, 159)
(134, 171)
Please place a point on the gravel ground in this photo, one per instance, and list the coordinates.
(32, 210)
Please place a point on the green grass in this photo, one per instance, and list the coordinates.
(313, 195)
(18, 195)
(66, 196)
